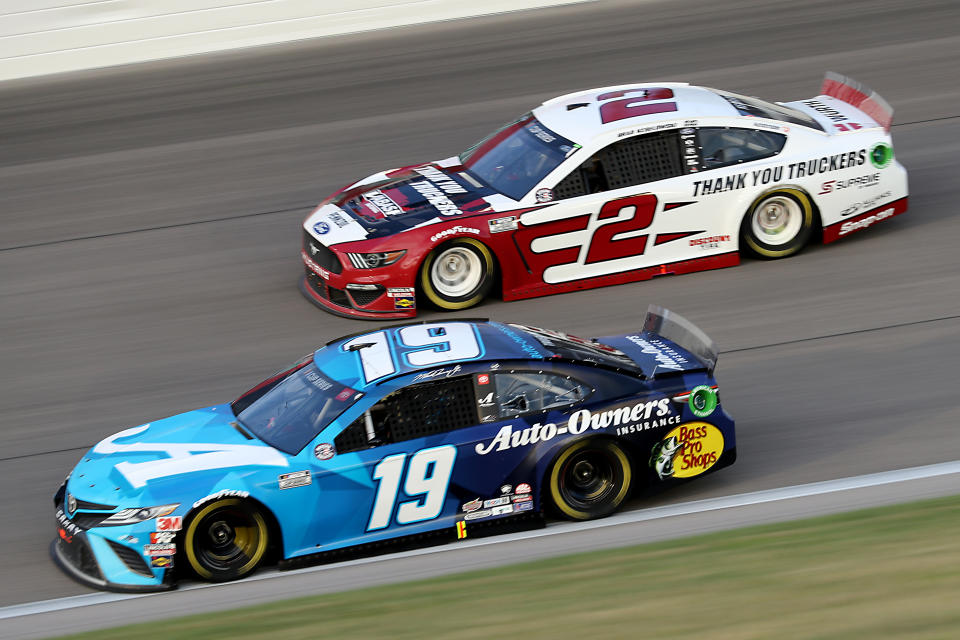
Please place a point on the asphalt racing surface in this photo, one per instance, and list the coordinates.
(150, 235)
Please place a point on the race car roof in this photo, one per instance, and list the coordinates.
(436, 348)
(584, 115)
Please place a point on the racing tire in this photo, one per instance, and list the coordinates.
(590, 479)
(458, 274)
(226, 539)
(778, 224)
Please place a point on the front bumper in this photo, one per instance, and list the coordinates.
(96, 559)
(332, 292)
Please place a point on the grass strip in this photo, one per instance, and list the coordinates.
(890, 572)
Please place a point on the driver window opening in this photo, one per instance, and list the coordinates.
(625, 163)
(415, 412)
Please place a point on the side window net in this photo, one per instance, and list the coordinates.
(415, 412)
(626, 163)
(642, 159)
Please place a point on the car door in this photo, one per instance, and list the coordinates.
(641, 202)
(609, 213)
(397, 468)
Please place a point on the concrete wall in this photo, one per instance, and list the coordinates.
(48, 36)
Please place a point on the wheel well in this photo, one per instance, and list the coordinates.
(497, 281)
(816, 230)
(273, 525)
(632, 456)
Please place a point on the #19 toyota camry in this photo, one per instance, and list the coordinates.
(403, 434)
(607, 186)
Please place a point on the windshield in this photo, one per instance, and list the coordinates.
(299, 407)
(516, 157)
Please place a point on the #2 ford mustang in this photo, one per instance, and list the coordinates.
(409, 432)
(603, 187)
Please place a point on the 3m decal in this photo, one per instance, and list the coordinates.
(183, 457)
(687, 451)
(169, 523)
(427, 479)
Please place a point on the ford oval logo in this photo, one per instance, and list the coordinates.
(321, 228)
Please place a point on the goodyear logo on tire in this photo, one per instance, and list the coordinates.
(687, 451)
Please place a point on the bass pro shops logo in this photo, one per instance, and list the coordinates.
(687, 451)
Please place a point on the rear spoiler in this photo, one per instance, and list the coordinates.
(858, 95)
(667, 343)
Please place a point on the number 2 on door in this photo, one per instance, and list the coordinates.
(427, 479)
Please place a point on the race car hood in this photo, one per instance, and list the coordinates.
(154, 457)
(389, 203)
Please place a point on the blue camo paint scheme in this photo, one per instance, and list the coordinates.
(333, 511)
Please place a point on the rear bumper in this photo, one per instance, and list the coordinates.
(843, 228)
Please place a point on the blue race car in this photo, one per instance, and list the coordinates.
(396, 435)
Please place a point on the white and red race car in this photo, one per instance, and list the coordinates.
(607, 186)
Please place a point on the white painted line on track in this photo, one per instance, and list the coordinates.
(630, 517)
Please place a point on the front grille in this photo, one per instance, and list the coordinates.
(321, 254)
(365, 297)
(93, 506)
(78, 553)
(338, 297)
(131, 558)
(317, 284)
(89, 520)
